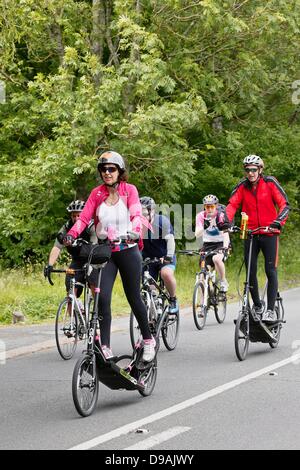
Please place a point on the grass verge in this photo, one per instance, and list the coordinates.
(26, 290)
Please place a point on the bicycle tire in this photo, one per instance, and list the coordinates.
(221, 305)
(148, 377)
(241, 343)
(199, 310)
(134, 329)
(170, 330)
(85, 393)
(66, 338)
(276, 331)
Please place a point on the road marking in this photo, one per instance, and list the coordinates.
(182, 406)
(158, 438)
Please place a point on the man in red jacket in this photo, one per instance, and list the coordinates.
(266, 204)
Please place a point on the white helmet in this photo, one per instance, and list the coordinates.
(253, 160)
(111, 157)
(210, 199)
(76, 206)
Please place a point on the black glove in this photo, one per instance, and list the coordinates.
(133, 236)
(60, 238)
(223, 226)
(275, 225)
(47, 270)
(168, 259)
(206, 224)
(68, 240)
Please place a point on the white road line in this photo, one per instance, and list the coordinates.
(183, 405)
(158, 438)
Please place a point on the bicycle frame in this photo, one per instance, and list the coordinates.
(149, 281)
(248, 326)
(156, 299)
(82, 315)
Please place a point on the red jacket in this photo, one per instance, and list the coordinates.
(259, 202)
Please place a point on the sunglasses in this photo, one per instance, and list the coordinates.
(251, 170)
(110, 169)
(210, 206)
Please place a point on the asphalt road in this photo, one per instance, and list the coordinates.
(204, 397)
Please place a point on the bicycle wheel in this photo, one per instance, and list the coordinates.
(170, 330)
(134, 329)
(135, 332)
(66, 331)
(148, 378)
(199, 309)
(241, 336)
(85, 385)
(220, 307)
(276, 330)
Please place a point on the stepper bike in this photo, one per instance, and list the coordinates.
(207, 293)
(248, 326)
(156, 299)
(127, 372)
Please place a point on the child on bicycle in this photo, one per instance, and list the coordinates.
(210, 224)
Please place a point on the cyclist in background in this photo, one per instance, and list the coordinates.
(259, 195)
(74, 209)
(116, 209)
(159, 242)
(210, 224)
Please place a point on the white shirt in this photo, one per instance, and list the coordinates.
(113, 220)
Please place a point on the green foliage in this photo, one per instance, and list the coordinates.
(182, 89)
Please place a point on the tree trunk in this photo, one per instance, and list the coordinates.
(129, 98)
(98, 28)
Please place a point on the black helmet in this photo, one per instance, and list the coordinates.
(111, 157)
(147, 202)
(76, 206)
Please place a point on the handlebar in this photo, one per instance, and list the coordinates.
(266, 229)
(202, 252)
(70, 271)
(189, 252)
(148, 261)
(128, 238)
(79, 242)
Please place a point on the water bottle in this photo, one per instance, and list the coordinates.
(244, 226)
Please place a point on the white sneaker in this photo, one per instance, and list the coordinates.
(107, 351)
(149, 349)
(224, 285)
(269, 316)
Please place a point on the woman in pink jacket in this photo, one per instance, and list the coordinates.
(116, 210)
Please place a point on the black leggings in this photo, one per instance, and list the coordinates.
(129, 263)
(269, 247)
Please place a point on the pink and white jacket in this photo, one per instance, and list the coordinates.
(128, 193)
